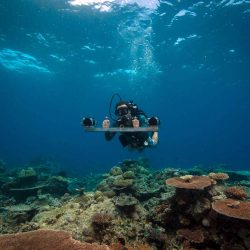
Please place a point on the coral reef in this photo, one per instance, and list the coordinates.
(2, 166)
(27, 176)
(129, 208)
(29, 180)
(192, 201)
(190, 213)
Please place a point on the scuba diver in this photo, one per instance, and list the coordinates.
(128, 115)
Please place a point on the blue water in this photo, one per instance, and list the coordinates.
(186, 62)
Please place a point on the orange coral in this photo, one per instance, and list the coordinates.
(219, 176)
(234, 192)
(232, 208)
(190, 182)
(45, 240)
(143, 247)
(116, 246)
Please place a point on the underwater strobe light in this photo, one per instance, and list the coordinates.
(154, 121)
(88, 122)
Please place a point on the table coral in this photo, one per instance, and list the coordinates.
(219, 176)
(45, 240)
(233, 209)
(192, 182)
(27, 176)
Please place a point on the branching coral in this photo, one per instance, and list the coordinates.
(101, 219)
(234, 192)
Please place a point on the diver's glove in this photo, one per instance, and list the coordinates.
(150, 142)
(106, 122)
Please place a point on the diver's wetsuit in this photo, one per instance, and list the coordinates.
(136, 140)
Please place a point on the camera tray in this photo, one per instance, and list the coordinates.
(122, 129)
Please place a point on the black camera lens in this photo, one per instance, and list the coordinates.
(122, 111)
(88, 121)
(153, 121)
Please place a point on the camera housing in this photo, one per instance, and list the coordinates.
(154, 121)
(88, 122)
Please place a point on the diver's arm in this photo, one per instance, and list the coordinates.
(152, 141)
(153, 138)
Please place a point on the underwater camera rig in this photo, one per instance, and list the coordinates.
(89, 123)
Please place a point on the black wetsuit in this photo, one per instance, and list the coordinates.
(137, 140)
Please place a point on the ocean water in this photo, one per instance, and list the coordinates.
(186, 62)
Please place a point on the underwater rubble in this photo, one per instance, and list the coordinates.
(130, 207)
